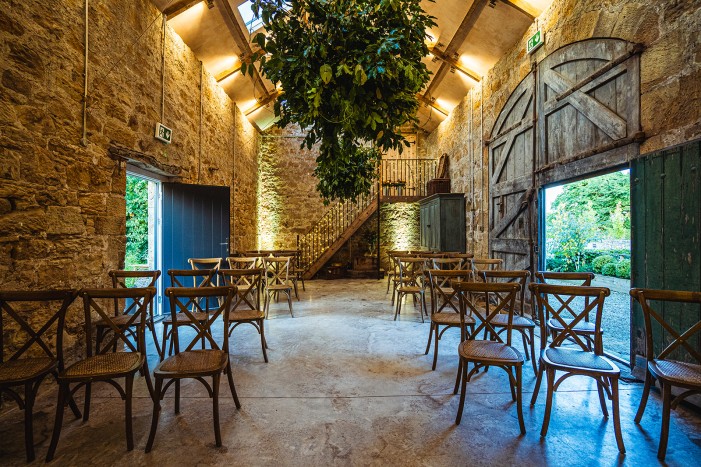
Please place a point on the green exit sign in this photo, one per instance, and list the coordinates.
(163, 133)
(535, 41)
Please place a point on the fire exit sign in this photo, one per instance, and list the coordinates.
(535, 41)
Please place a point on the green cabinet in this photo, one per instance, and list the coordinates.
(443, 222)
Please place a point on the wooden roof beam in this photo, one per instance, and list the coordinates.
(263, 102)
(431, 103)
(241, 42)
(225, 74)
(454, 64)
(182, 6)
(458, 39)
(524, 7)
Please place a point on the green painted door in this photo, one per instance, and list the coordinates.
(666, 231)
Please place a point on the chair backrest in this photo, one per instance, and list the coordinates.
(517, 276)
(180, 300)
(487, 264)
(442, 293)
(679, 337)
(19, 306)
(205, 263)
(578, 278)
(560, 303)
(277, 270)
(494, 298)
(247, 283)
(119, 280)
(200, 277)
(411, 270)
(448, 263)
(243, 262)
(92, 302)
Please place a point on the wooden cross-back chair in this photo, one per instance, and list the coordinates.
(411, 282)
(583, 328)
(103, 364)
(576, 359)
(245, 307)
(487, 264)
(522, 324)
(664, 365)
(499, 297)
(449, 263)
(445, 306)
(30, 361)
(393, 274)
(191, 363)
(277, 280)
(243, 262)
(122, 314)
(202, 278)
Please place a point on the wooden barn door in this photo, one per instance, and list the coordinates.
(511, 158)
(588, 100)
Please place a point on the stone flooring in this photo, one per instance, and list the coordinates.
(347, 385)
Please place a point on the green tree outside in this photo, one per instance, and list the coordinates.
(137, 222)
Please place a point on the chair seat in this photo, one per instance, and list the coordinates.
(193, 362)
(577, 359)
(279, 287)
(246, 315)
(109, 364)
(582, 327)
(687, 374)
(182, 318)
(490, 351)
(410, 289)
(120, 321)
(518, 321)
(449, 318)
(25, 369)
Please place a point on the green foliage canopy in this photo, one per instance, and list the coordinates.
(137, 222)
(350, 71)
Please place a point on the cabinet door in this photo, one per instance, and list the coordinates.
(434, 227)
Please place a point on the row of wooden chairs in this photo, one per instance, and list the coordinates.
(570, 343)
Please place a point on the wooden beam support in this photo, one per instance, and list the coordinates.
(459, 37)
(429, 102)
(225, 74)
(263, 102)
(454, 64)
(524, 7)
(241, 41)
(179, 7)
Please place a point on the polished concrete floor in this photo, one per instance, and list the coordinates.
(347, 385)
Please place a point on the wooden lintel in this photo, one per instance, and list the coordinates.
(263, 102)
(524, 7)
(225, 74)
(454, 64)
(179, 7)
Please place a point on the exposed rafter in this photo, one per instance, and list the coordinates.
(241, 42)
(454, 64)
(458, 39)
(225, 74)
(263, 102)
(524, 7)
(431, 103)
(182, 6)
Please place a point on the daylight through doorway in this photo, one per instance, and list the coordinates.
(587, 228)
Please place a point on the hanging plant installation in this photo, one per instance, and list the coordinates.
(350, 71)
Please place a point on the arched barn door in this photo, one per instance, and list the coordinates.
(511, 158)
(586, 98)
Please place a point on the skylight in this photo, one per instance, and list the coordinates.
(252, 23)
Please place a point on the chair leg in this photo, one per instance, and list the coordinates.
(156, 414)
(215, 408)
(602, 398)
(266, 304)
(666, 408)
(177, 396)
(86, 404)
(435, 348)
(548, 401)
(304, 289)
(29, 394)
(163, 342)
(129, 389)
(463, 390)
(230, 376)
(294, 283)
(519, 399)
(538, 380)
(289, 302)
(458, 377)
(152, 327)
(263, 344)
(398, 306)
(63, 393)
(616, 415)
(424, 311)
(643, 399)
(430, 337)
(534, 361)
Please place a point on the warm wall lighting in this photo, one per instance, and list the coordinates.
(194, 13)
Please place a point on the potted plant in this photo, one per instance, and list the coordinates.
(349, 72)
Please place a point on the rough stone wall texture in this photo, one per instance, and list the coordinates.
(62, 208)
(400, 229)
(670, 85)
(288, 203)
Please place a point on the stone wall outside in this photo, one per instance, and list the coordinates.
(62, 208)
(670, 75)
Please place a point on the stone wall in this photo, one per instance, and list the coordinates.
(62, 208)
(670, 70)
